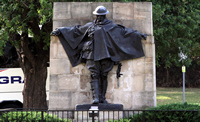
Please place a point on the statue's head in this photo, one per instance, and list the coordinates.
(100, 12)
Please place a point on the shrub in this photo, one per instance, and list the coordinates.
(27, 116)
(170, 115)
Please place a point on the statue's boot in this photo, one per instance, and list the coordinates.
(95, 90)
(103, 87)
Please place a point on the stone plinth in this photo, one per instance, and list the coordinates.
(70, 86)
(101, 107)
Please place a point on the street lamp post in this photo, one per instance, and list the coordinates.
(182, 58)
(183, 70)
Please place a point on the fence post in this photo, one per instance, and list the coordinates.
(143, 116)
(42, 116)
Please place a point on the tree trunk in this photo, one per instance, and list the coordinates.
(34, 93)
(33, 60)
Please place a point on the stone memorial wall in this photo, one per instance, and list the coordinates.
(70, 86)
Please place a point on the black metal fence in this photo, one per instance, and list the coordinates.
(39, 115)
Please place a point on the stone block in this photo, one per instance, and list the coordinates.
(128, 23)
(128, 81)
(123, 97)
(53, 83)
(142, 100)
(53, 78)
(53, 50)
(59, 66)
(149, 86)
(53, 66)
(68, 82)
(57, 24)
(83, 22)
(61, 10)
(143, 26)
(110, 96)
(123, 11)
(139, 66)
(82, 98)
(138, 83)
(54, 39)
(149, 68)
(111, 82)
(61, 52)
(142, 10)
(70, 22)
(85, 83)
(118, 22)
(53, 87)
(80, 69)
(81, 10)
(148, 50)
(148, 60)
(142, 7)
(60, 100)
(143, 17)
(149, 40)
(137, 97)
(127, 67)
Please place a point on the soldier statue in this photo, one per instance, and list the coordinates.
(100, 44)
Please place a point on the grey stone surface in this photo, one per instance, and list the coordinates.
(81, 10)
(60, 100)
(70, 86)
(59, 66)
(68, 82)
(61, 12)
(53, 83)
(123, 11)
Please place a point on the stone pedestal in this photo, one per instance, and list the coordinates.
(101, 107)
(70, 86)
(99, 112)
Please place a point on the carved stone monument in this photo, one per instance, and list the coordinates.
(70, 86)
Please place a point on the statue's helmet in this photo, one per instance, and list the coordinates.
(100, 10)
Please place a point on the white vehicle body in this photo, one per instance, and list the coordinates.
(11, 87)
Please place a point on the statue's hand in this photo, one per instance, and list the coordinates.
(144, 36)
(55, 33)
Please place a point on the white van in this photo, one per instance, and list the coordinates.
(11, 87)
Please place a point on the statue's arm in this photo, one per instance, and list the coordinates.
(144, 36)
(55, 32)
(126, 31)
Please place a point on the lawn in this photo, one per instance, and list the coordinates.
(175, 95)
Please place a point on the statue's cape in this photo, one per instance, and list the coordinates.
(112, 41)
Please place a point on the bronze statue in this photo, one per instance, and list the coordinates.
(100, 44)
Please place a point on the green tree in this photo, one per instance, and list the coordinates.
(176, 29)
(20, 19)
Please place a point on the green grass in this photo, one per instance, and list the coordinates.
(175, 95)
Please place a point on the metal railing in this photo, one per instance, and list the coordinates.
(40, 115)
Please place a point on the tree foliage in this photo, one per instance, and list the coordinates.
(19, 17)
(19, 25)
(176, 29)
